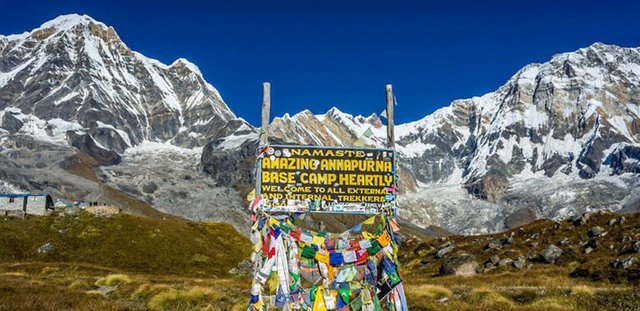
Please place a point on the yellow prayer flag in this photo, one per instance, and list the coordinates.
(251, 195)
(318, 240)
(370, 221)
(319, 305)
(273, 222)
(366, 296)
(367, 235)
(322, 257)
(258, 305)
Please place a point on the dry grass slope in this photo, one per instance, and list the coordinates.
(125, 241)
(129, 262)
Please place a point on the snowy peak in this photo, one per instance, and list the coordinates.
(333, 128)
(565, 116)
(558, 117)
(77, 69)
(69, 21)
(183, 62)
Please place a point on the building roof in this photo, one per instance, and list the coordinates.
(22, 195)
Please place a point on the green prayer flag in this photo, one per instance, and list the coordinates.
(285, 227)
(308, 252)
(394, 277)
(379, 229)
(344, 294)
(296, 279)
(376, 303)
(374, 249)
(356, 304)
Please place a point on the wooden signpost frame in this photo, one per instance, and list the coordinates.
(266, 109)
(266, 225)
(264, 137)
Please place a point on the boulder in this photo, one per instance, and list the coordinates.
(494, 244)
(85, 143)
(593, 243)
(623, 263)
(45, 248)
(636, 247)
(490, 187)
(492, 261)
(464, 264)
(445, 249)
(581, 220)
(495, 259)
(612, 222)
(519, 263)
(230, 166)
(505, 262)
(550, 253)
(11, 123)
(564, 241)
(596, 231)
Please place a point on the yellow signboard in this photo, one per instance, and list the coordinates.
(326, 179)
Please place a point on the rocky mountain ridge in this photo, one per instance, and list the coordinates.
(537, 147)
(74, 73)
(574, 115)
(84, 117)
(80, 111)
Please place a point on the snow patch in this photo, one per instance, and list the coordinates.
(234, 141)
(125, 137)
(5, 77)
(146, 147)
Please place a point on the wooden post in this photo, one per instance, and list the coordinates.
(390, 104)
(266, 107)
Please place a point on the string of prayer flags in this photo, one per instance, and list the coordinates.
(350, 271)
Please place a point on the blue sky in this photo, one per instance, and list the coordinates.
(319, 54)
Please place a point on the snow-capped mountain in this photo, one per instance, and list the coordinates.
(82, 116)
(74, 73)
(574, 115)
(572, 121)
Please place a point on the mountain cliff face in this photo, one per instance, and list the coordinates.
(74, 73)
(575, 115)
(82, 115)
(573, 121)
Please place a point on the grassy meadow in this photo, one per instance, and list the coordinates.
(128, 262)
